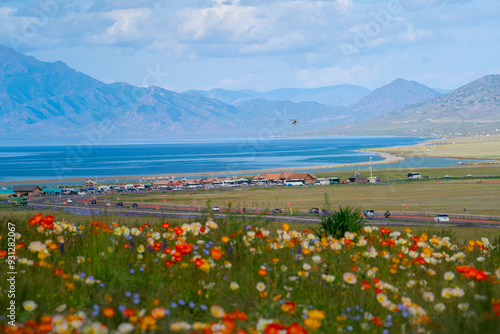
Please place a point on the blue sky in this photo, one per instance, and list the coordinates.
(261, 45)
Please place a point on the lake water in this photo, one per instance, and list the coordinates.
(94, 161)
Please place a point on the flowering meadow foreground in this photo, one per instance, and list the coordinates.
(230, 277)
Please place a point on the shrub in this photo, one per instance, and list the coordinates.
(336, 223)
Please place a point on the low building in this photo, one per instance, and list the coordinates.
(27, 190)
(52, 191)
(307, 177)
(268, 177)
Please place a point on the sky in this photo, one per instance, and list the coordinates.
(260, 44)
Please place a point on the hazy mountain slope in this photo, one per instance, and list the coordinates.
(396, 95)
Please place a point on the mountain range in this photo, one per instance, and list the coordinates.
(51, 99)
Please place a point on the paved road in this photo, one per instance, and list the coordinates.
(77, 202)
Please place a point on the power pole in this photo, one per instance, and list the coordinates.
(371, 172)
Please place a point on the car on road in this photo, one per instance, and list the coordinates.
(369, 213)
(93, 202)
(314, 210)
(277, 211)
(215, 208)
(69, 200)
(469, 175)
(447, 176)
(441, 218)
(119, 203)
(134, 205)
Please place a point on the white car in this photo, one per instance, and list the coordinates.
(69, 200)
(447, 176)
(441, 218)
(215, 208)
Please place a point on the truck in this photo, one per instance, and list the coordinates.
(18, 201)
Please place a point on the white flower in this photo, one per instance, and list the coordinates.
(261, 286)
(458, 292)
(234, 286)
(350, 278)
(428, 296)
(349, 235)
(140, 248)
(29, 305)
(449, 275)
(117, 231)
(125, 328)
(440, 307)
(316, 259)
(306, 266)
(381, 297)
(480, 259)
(328, 278)
(447, 293)
(463, 306)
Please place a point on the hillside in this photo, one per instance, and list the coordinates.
(54, 99)
(396, 95)
(471, 109)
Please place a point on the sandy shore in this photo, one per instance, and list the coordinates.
(388, 159)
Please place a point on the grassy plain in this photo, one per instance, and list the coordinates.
(437, 197)
(457, 147)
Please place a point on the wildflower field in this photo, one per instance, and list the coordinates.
(234, 277)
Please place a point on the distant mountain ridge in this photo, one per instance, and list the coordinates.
(338, 95)
(51, 99)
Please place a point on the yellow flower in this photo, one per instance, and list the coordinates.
(225, 239)
(285, 226)
(312, 323)
(316, 314)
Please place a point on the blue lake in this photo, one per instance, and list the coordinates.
(93, 161)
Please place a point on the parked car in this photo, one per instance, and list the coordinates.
(277, 211)
(93, 202)
(441, 218)
(314, 210)
(469, 175)
(69, 200)
(215, 208)
(134, 205)
(369, 213)
(119, 203)
(447, 176)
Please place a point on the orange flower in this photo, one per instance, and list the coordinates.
(165, 225)
(128, 312)
(240, 315)
(273, 328)
(2, 253)
(216, 253)
(288, 306)
(158, 313)
(225, 239)
(295, 328)
(58, 272)
(108, 312)
(262, 272)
